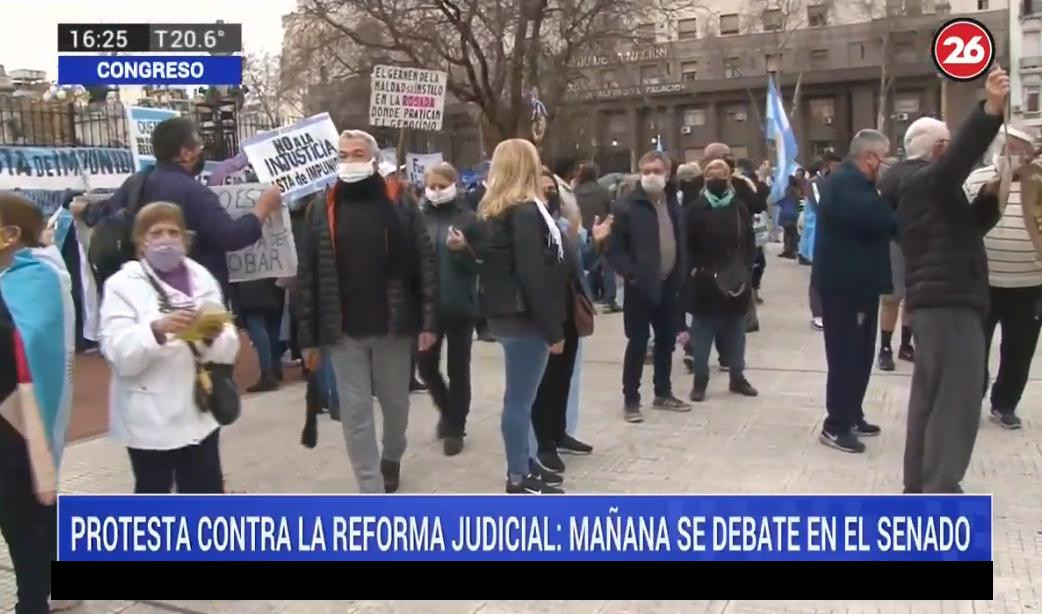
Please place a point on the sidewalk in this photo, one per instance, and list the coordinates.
(726, 445)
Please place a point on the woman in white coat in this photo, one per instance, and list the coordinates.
(151, 401)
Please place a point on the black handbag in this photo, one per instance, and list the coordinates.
(732, 278)
(215, 391)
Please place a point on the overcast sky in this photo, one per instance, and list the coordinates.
(29, 39)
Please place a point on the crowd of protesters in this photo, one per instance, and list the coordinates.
(390, 276)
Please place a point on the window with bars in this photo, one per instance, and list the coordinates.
(817, 15)
(689, 70)
(733, 67)
(695, 117)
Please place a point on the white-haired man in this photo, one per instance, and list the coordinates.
(941, 236)
(1014, 278)
(851, 269)
(368, 286)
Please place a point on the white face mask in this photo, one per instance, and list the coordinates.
(653, 184)
(351, 172)
(440, 197)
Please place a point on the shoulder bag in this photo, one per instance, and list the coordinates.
(732, 278)
(215, 390)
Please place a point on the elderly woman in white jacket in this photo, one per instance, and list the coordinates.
(151, 401)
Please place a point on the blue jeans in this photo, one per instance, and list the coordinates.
(525, 359)
(607, 281)
(729, 332)
(264, 327)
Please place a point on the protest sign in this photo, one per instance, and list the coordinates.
(389, 154)
(275, 254)
(300, 158)
(47, 175)
(417, 164)
(402, 97)
(142, 121)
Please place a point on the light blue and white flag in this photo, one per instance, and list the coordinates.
(779, 131)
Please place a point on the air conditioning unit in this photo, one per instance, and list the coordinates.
(901, 117)
(685, 130)
(828, 121)
(740, 116)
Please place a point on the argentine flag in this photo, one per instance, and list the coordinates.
(785, 151)
(37, 291)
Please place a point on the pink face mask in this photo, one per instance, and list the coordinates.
(165, 254)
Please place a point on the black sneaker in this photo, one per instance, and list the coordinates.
(865, 429)
(743, 387)
(1006, 419)
(631, 413)
(671, 403)
(571, 445)
(549, 459)
(531, 485)
(550, 478)
(698, 393)
(844, 442)
(906, 352)
(392, 473)
(689, 364)
(452, 445)
(417, 386)
(886, 360)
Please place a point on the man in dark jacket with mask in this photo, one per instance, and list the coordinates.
(851, 270)
(179, 158)
(594, 202)
(942, 237)
(646, 248)
(368, 285)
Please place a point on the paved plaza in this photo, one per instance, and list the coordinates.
(726, 445)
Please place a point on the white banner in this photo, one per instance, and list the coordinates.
(403, 97)
(300, 159)
(275, 255)
(417, 165)
(142, 121)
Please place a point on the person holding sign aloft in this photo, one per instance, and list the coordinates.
(367, 291)
(941, 234)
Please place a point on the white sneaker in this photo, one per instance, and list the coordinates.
(817, 323)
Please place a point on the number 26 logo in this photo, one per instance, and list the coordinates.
(963, 49)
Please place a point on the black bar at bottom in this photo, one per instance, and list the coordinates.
(522, 580)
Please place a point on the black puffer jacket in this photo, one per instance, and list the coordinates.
(715, 237)
(412, 300)
(940, 233)
(457, 270)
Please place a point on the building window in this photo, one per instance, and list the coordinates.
(737, 113)
(695, 117)
(732, 67)
(773, 62)
(820, 148)
(772, 20)
(819, 58)
(817, 15)
(608, 79)
(649, 75)
(689, 70)
(906, 103)
(1031, 7)
(982, 5)
(1031, 98)
(822, 110)
(617, 125)
(904, 52)
(687, 28)
(646, 32)
(729, 24)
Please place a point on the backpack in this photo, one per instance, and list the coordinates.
(111, 243)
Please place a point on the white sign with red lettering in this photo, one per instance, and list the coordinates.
(403, 97)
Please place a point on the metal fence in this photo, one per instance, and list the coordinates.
(69, 124)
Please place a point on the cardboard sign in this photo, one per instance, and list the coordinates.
(275, 254)
(403, 97)
(47, 175)
(300, 159)
(142, 122)
(417, 165)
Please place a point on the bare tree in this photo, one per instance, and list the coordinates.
(267, 90)
(498, 53)
(885, 17)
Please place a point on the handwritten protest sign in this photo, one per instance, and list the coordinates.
(46, 175)
(402, 97)
(275, 255)
(417, 164)
(142, 121)
(300, 159)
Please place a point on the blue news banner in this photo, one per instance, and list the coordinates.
(499, 528)
(150, 69)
